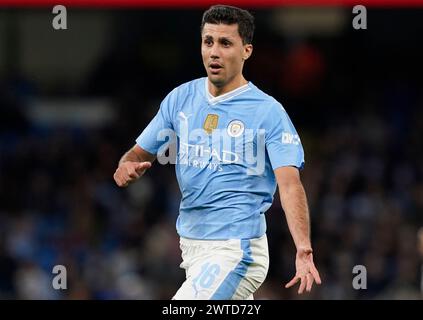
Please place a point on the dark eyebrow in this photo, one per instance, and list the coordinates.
(221, 39)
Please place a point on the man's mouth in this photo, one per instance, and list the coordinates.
(215, 67)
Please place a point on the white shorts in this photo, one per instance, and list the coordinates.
(223, 269)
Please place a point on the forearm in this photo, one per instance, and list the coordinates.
(136, 154)
(294, 203)
(130, 156)
(132, 166)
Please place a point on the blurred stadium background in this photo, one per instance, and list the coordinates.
(73, 101)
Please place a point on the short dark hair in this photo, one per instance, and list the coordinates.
(231, 15)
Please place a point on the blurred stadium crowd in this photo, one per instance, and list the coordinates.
(355, 98)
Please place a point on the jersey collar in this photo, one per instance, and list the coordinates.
(224, 97)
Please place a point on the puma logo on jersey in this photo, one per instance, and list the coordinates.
(183, 116)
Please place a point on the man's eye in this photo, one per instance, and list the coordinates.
(226, 43)
(208, 42)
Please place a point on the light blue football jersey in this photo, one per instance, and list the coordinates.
(226, 149)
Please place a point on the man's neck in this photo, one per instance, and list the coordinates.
(218, 91)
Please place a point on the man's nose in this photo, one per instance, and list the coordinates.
(214, 52)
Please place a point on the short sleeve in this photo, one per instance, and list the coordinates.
(150, 139)
(283, 143)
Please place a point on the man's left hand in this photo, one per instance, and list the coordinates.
(306, 273)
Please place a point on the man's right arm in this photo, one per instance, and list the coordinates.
(137, 160)
(133, 165)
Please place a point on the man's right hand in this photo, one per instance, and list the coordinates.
(129, 171)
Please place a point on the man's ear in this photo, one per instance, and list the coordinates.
(248, 50)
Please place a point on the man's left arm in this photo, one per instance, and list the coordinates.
(294, 203)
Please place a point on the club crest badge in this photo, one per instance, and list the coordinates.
(235, 128)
